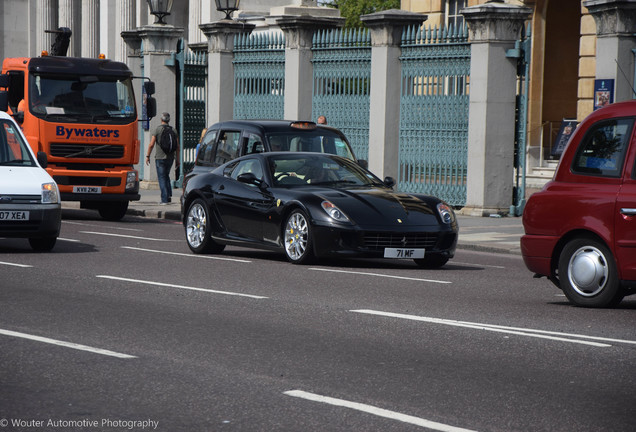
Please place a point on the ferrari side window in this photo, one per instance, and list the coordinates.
(247, 166)
(602, 150)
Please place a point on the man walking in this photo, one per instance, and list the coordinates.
(167, 152)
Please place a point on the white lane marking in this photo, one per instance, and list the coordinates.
(66, 344)
(379, 275)
(187, 254)
(380, 412)
(68, 240)
(563, 337)
(102, 226)
(476, 265)
(15, 264)
(180, 287)
(124, 236)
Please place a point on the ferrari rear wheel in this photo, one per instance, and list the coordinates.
(432, 261)
(198, 229)
(298, 238)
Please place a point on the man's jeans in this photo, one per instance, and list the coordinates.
(163, 176)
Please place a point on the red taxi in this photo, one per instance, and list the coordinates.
(580, 230)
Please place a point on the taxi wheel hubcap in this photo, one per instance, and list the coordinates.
(588, 271)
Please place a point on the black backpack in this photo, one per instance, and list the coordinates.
(168, 140)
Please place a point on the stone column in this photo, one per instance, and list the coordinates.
(90, 28)
(46, 19)
(386, 73)
(299, 32)
(124, 20)
(159, 47)
(615, 40)
(220, 36)
(68, 18)
(194, 33)
(494, 28)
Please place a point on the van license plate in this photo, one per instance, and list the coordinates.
(14, 215)
(87, 189)
(403, 253)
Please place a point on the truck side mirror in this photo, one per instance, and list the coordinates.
(4, 101)
(149, 87)
(42, 160)
(151, 107)
(5, 80)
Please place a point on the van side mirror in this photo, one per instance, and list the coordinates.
(389, 181)
(42, 160)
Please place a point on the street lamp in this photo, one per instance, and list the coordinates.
(227, 6)
(160, 8)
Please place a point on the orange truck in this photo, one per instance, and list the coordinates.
(81, 112)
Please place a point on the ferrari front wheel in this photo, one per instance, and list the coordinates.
(298, 238)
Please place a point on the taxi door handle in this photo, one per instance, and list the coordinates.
(628, 211)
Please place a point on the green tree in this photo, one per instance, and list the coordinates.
(351, 10)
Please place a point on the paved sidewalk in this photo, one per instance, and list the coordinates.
(488, 234)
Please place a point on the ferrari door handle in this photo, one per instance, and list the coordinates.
(628, 211)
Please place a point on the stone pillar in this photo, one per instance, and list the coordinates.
(124, 20)
(46, 19)
(194, 33)
(386, 73)
(68, 17)
(299, 32)
(159, 47)
(494, 27)
(90, 28)
(220, 36)
(615, 42)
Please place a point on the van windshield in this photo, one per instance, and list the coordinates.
(82, 98)
(316, 140)
(13, 148)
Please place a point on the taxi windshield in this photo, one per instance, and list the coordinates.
(317, 140)
(13, 148)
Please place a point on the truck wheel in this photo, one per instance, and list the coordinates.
(588, 274)
(113, 211)
(42, 244)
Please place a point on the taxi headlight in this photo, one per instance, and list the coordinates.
(50, 194)
(334, 212)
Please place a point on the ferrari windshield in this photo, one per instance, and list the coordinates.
(318, 169)
(82, 98)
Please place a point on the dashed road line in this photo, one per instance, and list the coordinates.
(379, 275)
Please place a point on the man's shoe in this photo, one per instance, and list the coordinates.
(163, 203)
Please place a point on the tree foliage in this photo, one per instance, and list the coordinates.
(351, 10)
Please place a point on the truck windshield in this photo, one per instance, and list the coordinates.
(13, 149)
(82, 99)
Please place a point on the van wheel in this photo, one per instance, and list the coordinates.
(113, 211)
(42, 244)
(588, 275)
(198, 229)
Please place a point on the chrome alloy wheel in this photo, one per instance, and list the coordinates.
(588, 271)
(196, 225)
(296, 236)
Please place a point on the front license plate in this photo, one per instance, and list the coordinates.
(403, 253)
(87, 189)
(14, 215)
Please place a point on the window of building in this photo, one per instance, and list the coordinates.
(453, 16)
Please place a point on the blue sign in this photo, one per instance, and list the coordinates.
(603, 92)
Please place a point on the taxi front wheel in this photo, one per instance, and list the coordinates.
(588, 274)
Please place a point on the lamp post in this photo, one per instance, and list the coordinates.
(160, 8)
(227, 6)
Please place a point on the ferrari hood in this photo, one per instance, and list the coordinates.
(381, 207)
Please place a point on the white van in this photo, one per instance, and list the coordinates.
(29, 198)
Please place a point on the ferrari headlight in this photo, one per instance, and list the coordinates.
(49, 193)
(334, 212)
(446, 213)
